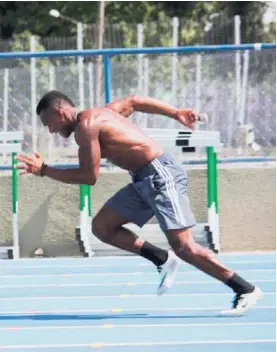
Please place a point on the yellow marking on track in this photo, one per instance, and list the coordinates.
(117, 310)
(97, 345)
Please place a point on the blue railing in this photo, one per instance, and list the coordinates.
(229, 160)
(135, 51)
(132, 51)
(107, 53)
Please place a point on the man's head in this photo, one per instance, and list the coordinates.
(57, 112)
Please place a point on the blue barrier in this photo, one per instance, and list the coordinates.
(107, 72)
(186, 162)
(134, 51)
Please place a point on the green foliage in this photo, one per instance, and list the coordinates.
(19, 16)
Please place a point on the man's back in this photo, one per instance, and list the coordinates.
(121, 141)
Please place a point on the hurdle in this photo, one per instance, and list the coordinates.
(11, 143)
(174, 141)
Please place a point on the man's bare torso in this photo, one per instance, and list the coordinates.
(121, 141)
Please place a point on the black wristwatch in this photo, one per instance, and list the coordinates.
(43, 169)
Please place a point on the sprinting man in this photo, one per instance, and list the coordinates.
(158, 187)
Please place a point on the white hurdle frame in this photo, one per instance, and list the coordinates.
(11, 143)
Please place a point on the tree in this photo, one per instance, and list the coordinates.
(16, 17)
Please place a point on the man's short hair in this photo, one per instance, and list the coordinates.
(49, 98)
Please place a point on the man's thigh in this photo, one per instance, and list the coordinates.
(166, 194)
(129, 205)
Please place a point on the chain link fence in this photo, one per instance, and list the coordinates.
(206, 81)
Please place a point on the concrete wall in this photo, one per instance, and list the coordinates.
(49, 210)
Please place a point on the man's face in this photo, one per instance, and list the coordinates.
(57, 121)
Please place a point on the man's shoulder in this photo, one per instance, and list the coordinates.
(88, 124)
(87, 118)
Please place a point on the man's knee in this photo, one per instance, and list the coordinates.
(183, 243)
(101, 230)
(186, 248)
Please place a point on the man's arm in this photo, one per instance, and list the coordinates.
(133, 103)
(127, 106)
(89, 160)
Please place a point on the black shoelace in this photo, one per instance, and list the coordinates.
(236, 300)
(159, 269)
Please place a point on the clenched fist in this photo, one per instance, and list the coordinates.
(187, 117)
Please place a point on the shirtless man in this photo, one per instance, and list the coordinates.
(158, 187)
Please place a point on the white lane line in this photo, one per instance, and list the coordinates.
(128, 326)
(134, 257)
(127, 295)
(194, 272)
(57, 285)
(134, 344)
(11, 267)
(119, 310)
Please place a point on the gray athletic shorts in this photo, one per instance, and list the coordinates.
(158, 188)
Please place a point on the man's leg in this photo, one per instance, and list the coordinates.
(186, 249)
(108, 227)
(167, 195)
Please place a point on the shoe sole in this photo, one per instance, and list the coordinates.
(238, 312)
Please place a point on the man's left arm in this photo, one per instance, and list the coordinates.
(89, 162)
(133, 103)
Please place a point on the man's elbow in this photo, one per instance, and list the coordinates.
(89, 179)
(135, 100)
(90, 182)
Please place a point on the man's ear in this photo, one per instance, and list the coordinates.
(65, 110)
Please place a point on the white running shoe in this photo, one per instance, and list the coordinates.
(242, 302)
(168, 272)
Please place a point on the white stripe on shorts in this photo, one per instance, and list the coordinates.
(171, 191)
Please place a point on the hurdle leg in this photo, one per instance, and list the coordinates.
(216, 216)
(85, 212)
(16, 253)
(213, 218)
(89, 206)
(83, 216)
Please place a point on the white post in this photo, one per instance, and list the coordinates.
(140, 63)
(145, 76)
(6, 99)
(146, 84)
(238, 64)
(198, 83)
(90, 83)
(33, 94)
(5, 103)
(175, 25)
(51, 87)
(244, 87)
(140, 57)
(235, 116)
(198, 93)
(80, 66)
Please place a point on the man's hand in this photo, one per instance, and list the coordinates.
(31, 164)
(187, 117)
